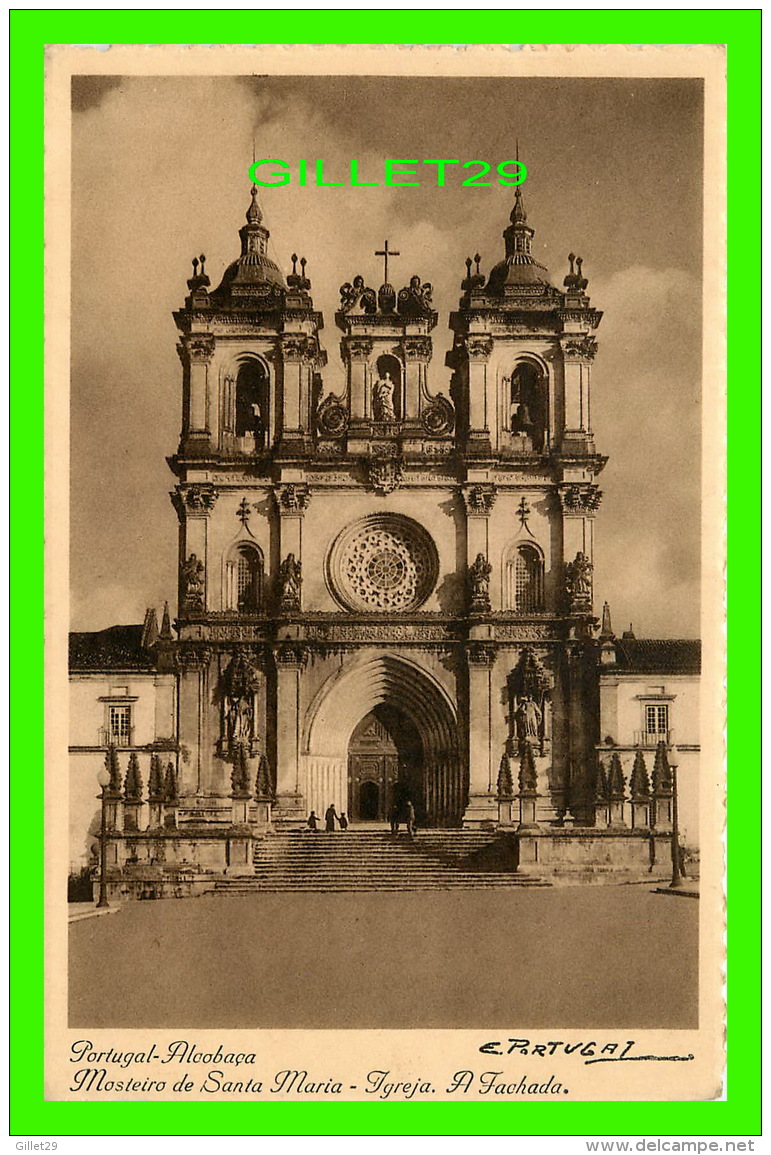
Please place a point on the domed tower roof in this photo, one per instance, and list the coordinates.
(254, 266)
(519, 267)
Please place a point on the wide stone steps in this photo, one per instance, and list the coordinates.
(369, 861)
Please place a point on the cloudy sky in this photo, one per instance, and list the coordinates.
(160, 173)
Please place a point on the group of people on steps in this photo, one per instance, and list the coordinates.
(397, 814)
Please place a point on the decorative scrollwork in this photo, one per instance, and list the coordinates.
(580, 498)
(479, 348)
(585, 348)
(332, 417)
(480, 499)
(438, 417)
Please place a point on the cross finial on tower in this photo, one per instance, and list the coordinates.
(385, 253)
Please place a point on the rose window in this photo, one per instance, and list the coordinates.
(383, 563)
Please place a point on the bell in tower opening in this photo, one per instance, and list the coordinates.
(252, 401)
(527, 386)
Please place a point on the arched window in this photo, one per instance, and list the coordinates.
(252, 401)
(527, 403)
(524, 580)
(244, 580)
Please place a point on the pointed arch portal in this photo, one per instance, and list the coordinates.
(419, 743)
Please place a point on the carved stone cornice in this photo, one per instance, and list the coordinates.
(479, 348)
(368, 632)
(298, 348)
(579, 499)
(580, 348)
(194, 500)
(291, 656)
(526, 631)
(191, 659)
(479, 498)
(197, 349)
(417, 348)
(292, 498)
(356, 348)
(479, 653)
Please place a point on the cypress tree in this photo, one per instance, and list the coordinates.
(263, 785)
(112, 765)
(132, 786)
(239, 777)
(170, 784)
(155, 782)
(528, 775)
(662, 772)
(639, 783)
(505, 780)
(616, 781)
(601, 783)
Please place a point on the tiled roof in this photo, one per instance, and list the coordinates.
(658, 655)
(116, 648)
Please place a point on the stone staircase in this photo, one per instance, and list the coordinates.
(362, 860)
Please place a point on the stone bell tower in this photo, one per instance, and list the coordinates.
(251, 359)
(521, 384)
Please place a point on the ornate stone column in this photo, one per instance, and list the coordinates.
(417, 355)
(196, 352)
(479, 499)
(291, 659)
(481, 411)
(356, 352)
(482, 803)
(193, 504)
(578, 352)
(580, 502)
(292, 500)
(194, 720)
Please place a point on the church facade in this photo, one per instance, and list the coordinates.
(386, 589)
(418, 557)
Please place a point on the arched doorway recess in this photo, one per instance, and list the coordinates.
(419, 721)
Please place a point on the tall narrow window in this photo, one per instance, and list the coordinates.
(252, 403)
(119, 725)
(525, 580)
(657, 720)
(243, 580)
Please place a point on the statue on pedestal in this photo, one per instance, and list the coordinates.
(528, 721)
(479, 583)
(290, 581)
(383, 398)
(193, 579)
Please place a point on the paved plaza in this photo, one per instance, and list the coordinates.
(605, 957)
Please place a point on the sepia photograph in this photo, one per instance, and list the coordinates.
(386, 563)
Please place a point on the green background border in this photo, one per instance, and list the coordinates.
(31, 31)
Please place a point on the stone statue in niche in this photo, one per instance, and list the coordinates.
(193, 579)
(528, 721)
(479, 583)
(238, 686)
(383, 398)
(240, 720)
(290, 582)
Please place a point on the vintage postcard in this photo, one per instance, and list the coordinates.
(385, 483)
